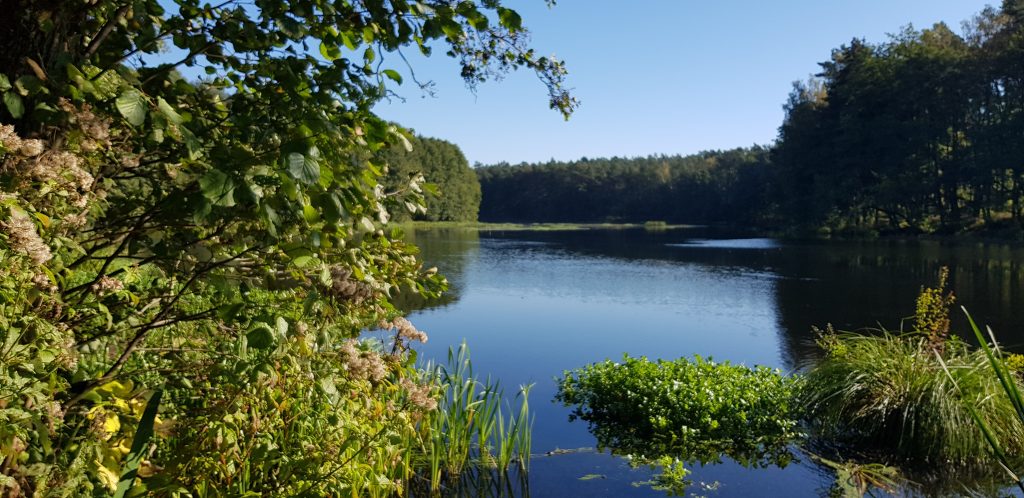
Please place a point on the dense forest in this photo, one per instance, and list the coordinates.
(708, 187)
(452, 189)
(921, 133)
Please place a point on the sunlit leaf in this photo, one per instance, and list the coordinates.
(133, 106)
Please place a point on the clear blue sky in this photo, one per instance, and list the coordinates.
(654, 76)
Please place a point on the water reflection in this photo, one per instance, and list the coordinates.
(532, 304)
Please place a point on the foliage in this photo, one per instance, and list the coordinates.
(900, 391)
(721, 186)
(890, 391)
(1006, 454)
(1015, 363)
(692, 410)
(470, 428)
(854, 480)
(910, 135)
(931, 311)
(455, 190)
(220, 240)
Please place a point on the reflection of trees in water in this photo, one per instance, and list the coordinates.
(855, 285)
(850, 284)
(448, 249)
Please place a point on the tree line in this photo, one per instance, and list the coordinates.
(451, 189)
(921, 133)
(723, 186)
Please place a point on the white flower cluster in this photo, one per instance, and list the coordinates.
(362, 364)
(22, 236)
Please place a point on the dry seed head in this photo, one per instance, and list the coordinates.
(23, 238)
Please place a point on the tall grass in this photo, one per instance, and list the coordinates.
(903, 394)
(474, 435)
(1006, 451)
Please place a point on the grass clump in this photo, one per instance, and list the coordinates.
(890, 391)
(471, 439)
(910, 394)
(695, 410)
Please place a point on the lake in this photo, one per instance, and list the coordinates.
(532, 304)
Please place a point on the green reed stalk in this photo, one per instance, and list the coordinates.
(1009, 384)
(470, 433)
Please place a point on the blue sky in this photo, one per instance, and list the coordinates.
(654, 76)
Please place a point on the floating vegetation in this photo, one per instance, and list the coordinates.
(667, 414)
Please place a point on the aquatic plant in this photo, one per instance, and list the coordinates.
(470, 433)
(1004, 370)
(902, 393)
(696, 410)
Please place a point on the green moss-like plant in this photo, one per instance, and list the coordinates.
(695, 410)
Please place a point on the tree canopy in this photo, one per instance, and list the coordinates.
(453, 189)
(193, 229)
(917, 134)
(710, 187)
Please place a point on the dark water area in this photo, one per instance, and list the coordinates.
(532, 304)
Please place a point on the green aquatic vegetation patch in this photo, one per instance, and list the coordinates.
(908, 396)
(695, 410)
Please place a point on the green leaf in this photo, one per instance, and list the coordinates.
(140, 445)
(218, 188)
(14, 104)
(168, 111)
(310, 214)
(304, 167)
(132, 105)
(272, 219)
(28, 85)
(5, 83)
(260, 337)
(510, 19)
(192, 143)
(391, 73)
(330, 52)
(348, 41)
(228, 312)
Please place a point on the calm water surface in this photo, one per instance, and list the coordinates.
(533, 304)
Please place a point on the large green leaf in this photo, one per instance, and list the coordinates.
(304, 167)
(133, 106)
(392, 74)
(218, 188)
(330, 51)
(14, 104)
(168, 111)
(260, 337)
(510, 19)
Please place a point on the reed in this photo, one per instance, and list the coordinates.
(1007, 457)
(474, 432)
